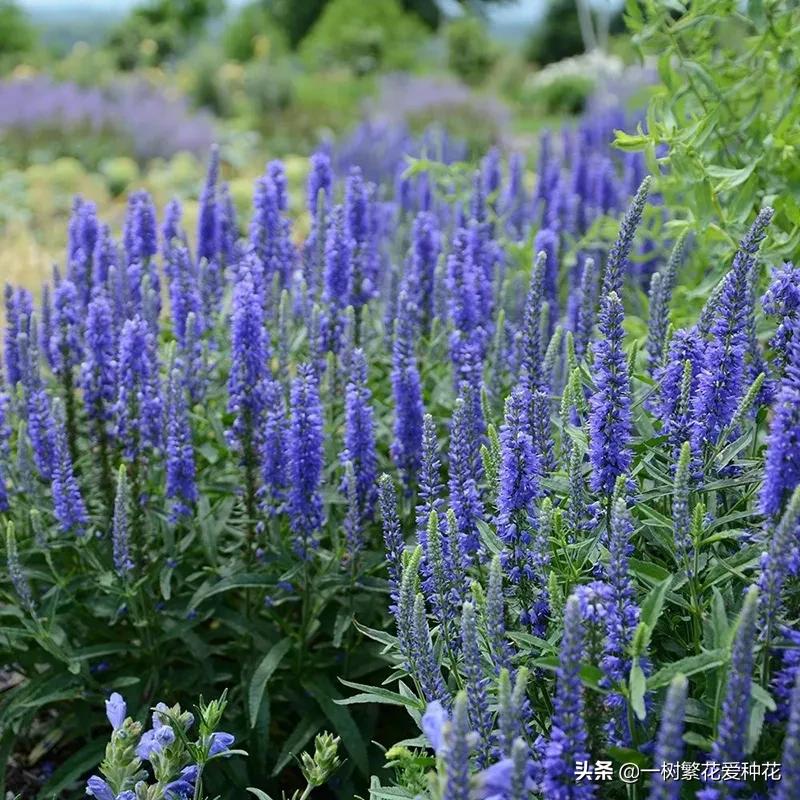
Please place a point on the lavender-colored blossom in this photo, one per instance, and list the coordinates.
(249, 352)
(729, 744)
(782, 459)
(16, 573)
(140, 235)
(426, 668)
(154, 741)
(96, 787)
(464, 280)
(776, 564)
(518, 487)
(610, 422)
(65, 344)
(105, 257)
(782, 300)
(407, 391)
(184, 290)
(568, 738)
(532, 346)
(721, 381)
(183, 787)
(98, 370)
(359, 436)
(464, 496)
(429, 480)
(480, 718)
(338, 277)
(392, 534)
(496, 618)
(789, 786)
(220, 742)
(270, 237)
(617, 262)
(37, 410)
(623, 616)
(181, 487)
(68, 504)
(116, 710)
(274, 461)
(669, 744)
(457, 740)
(19, 307)
(546, 241)
(514, 203)
(121, 527)
(227, 227)
(425, 249)
(320, 179)
(674, 398)
(306, 458)
(207, 223)
(46, 326)
(82, 239)
(138, 408)
(661, 287)
(541, 431)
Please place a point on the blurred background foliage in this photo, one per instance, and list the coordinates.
(127, 94)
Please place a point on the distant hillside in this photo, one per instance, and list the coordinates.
(60, 26)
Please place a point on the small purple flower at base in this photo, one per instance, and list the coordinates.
(220, 742)
(154, 741)
(96, 787)
(182, 788)
(116, 710)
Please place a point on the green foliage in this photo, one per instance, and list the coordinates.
(559, 34)
(566, 94)
(160, 29)
(16, 34)
(470, 51)
(723, 129)
(252, 33)
(199, 614)
(364, 37)
(296, 19)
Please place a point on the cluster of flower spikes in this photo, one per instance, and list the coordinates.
(159, 762)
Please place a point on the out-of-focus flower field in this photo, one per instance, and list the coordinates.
(391, 411)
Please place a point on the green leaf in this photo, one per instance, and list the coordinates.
(638, 686)
(762, 697)
(690, 665)
(243, 581)
(377, 694)
(654, 603)
(262, 674)
(258, 793)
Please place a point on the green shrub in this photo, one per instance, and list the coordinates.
(470, 51)
(365, 37)
(565, 95)
(723, 128)
(253, 33)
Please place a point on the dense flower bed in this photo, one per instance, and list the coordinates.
(222, 464)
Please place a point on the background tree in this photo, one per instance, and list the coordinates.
(16, 34)
(159, 29)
